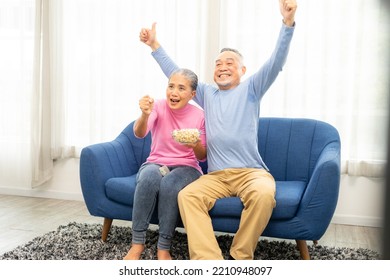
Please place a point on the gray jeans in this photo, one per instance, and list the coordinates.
(154, 188)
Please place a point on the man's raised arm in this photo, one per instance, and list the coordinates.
(148, 37)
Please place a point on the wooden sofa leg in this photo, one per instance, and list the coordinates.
(302, 246)
(106, 228)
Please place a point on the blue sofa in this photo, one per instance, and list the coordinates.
(303, 155)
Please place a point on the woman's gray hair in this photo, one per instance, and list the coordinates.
(190, 75)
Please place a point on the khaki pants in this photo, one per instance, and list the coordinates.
(255, 188)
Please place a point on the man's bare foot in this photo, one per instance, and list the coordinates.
(163, 255)
(135, 252)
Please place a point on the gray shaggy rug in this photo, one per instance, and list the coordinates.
(78, 241)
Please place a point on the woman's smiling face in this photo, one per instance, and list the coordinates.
(179, 91)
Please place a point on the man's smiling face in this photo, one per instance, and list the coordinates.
(228, 70)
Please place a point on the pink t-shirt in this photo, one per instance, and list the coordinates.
(162, 121)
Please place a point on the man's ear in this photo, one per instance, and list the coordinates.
(243, 70)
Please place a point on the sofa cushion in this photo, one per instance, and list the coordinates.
(121, 189)
(288, 197)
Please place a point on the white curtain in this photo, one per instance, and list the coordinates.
(104, 69)
(16, 64)
(41, 106)
(90, 70)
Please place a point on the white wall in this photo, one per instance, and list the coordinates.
(65, 183)
(360, 200)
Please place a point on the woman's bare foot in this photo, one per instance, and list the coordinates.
(135, 252)
(163, 255)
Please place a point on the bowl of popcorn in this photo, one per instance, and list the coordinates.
(186, 135)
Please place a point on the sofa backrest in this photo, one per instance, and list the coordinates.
(136, 150)
(290, 147)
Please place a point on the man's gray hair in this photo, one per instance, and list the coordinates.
(232, 50)
(236, 52)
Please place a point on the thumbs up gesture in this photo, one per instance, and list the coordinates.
(148, 37)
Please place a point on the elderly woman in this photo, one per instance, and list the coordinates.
(171, 165)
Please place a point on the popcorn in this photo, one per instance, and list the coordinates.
(186, 136)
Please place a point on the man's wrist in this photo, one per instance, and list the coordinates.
(289, 22)
(155, 46)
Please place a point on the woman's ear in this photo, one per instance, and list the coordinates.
(193, 93)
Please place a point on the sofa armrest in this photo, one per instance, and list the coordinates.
(100, 162)
(320, 197)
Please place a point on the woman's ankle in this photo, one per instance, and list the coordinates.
(135, 252)
(163, 254)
